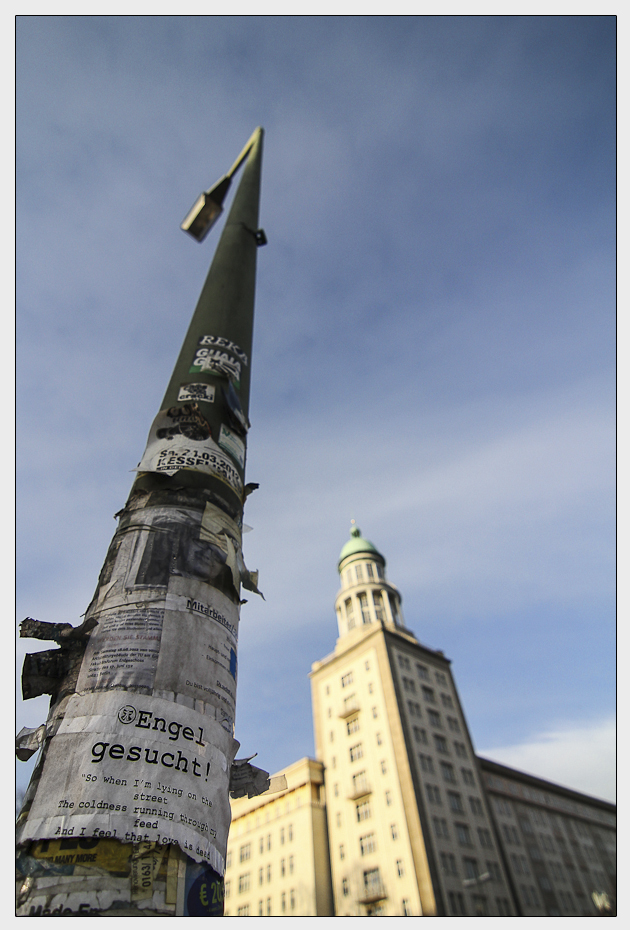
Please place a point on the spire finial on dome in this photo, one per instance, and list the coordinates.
(354, 529)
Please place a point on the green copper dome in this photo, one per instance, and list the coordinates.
(357, 544)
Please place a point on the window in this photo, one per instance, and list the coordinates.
(484, 837)
(449, 865)
(453, 724)
(367, 665)
(260, 876)
(290, 832)
(383, 767)
(261, 845)
(434, 718)
(400, 868)
(468, 777)
(447, 700)
(494, 871)
(480, 905)
(282, 836)
(370, 688)
(456, 904)
(331, 736)
(336, 790)
(441, 827)
(440, 677)
(394, 831)
(414, 709)
(464, 837)
(352, 725)
(526, 826)
(423, 671)
(388, 798)
(346, 680)
(374, 712)
(420, 735)
(243, 911)
(349, 613)
(433, 794)
(245, 852)
(228, 888)
(455, 802)
(282, 867)
(519, 863)
(360, 783)
(460, 750)
(428, 694)
(409, 684)
(529, 895)
(406, 908)
(268, 907)
(342, 851)
(283, 901)
(292, 898)
(345, 887)
(378, 605)
(356, 752)
(470, 868)
(403, 661)
(363, 810)
(228, 859)
(372, 882)
(476, 806)
(379, 739)
(448, 772)
(503, 907)
(370, 571)
(510, 834)
(367, 844)
(243, 883)
(268, 874)
(426, 764)
(440, 743)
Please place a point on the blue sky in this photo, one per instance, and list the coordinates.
(433, 352)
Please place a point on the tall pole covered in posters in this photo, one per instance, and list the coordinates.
(127, 812)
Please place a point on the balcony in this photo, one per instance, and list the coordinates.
(360, 790)
(374, 892)
(350, 706)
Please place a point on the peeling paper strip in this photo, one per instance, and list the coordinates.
(146, 860)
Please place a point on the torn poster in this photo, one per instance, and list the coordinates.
(180, 438)
(137, 769)
(232, 444)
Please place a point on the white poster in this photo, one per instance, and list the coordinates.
(180, 438)
(124, 648)
(199, 646)
(137, 769)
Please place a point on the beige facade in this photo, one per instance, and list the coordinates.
(559, 844)
(277, 860)
(399, 817)
(409, 827)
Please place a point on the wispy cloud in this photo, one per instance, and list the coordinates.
(579, 756)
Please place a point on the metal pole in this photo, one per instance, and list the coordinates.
(127, 812)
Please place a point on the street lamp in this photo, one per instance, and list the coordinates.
(208, 207)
